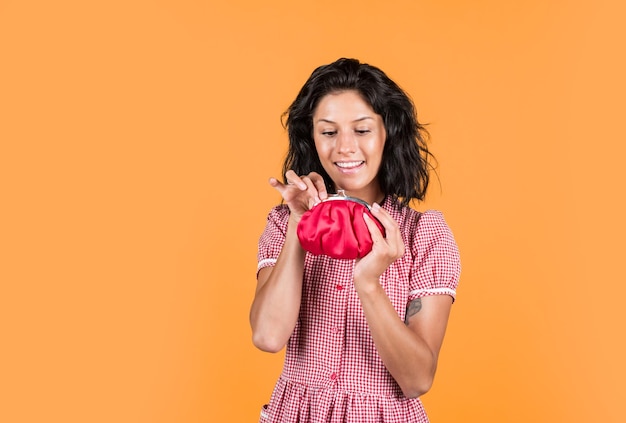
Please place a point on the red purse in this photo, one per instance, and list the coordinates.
(336, 228)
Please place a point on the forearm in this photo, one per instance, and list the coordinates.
(276, 305)
(406, 356)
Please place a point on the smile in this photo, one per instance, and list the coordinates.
(349, 165)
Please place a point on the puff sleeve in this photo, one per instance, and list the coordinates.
(273, 237)
(436, 263)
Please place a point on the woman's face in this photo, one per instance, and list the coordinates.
(349, 137)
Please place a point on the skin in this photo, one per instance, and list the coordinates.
(349, 137)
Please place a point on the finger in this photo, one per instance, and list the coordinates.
(274, 182)
(320, 185)
(384, 218)
(377, 235)
(285, 190)
(279, 186)
(316, 187)
(294, 179)
(311, 193)
(392, 231)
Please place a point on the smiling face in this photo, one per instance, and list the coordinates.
(349, 138)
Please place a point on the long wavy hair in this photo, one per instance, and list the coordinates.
(405, 166)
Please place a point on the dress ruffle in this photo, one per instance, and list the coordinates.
(298, 403)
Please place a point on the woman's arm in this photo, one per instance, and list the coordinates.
(276, 303)
(408, 349)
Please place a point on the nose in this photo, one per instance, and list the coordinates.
(346, 143)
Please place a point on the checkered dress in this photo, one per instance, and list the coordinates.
(332, 371)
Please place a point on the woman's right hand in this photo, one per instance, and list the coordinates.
(300, 193)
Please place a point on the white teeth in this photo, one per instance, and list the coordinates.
(347, 165)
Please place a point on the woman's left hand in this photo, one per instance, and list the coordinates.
(385, 250)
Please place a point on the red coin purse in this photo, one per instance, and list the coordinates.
(336, 228)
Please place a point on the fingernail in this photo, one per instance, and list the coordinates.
(375, 207)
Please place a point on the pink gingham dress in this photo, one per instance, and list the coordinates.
(332, 371)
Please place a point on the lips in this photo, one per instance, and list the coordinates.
(349, 165)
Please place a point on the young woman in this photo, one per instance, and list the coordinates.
(363, 336)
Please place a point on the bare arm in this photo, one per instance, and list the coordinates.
(409, 350)
(276, 305)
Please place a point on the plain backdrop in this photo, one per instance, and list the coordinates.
(136, 141)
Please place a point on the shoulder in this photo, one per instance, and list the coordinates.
(411, 219)
(279, 211)
(406, 217)
(276, 224)
(432, 221)
(273, 236)
(432, 234)
(420, 229)
(278, 215)
(401, 214)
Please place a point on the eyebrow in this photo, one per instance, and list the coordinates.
(355, 120)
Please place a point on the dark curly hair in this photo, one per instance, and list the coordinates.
(404, 170)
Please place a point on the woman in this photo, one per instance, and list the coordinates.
(362, 336)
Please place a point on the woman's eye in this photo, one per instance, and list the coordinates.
(329, 133)
(362, 131)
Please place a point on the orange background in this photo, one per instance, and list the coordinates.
(137, 138)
